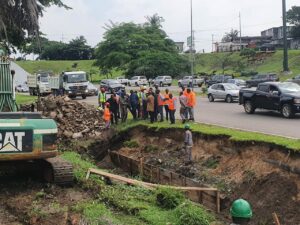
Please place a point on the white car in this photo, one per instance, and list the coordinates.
(138, 81)
(122, 80)
(224, 91)
(162, 80)
(22, 88)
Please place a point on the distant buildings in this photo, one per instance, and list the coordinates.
(270, 39)
(180, 46)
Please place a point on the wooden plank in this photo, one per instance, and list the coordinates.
(276, 220)
(145, 184)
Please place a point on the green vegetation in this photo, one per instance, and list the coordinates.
(131, 144)
(25, 99)
(168, 199)
(232, 134)
(128, 205)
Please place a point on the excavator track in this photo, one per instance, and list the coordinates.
(58, 171)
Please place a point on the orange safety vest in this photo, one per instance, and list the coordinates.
(172, 104)
(167, 97)
(106, 115)
(191, 99)
(160, 100)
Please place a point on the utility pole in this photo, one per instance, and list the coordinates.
(240, 19)
(192, 46)
(212, 43)
(285, 44)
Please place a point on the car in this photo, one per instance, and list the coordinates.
(122, 80)
(261, 78)
(238, 82)
(190, 81)
(137, 81)
(111, 86)
(22, 88)
(224, 91)
(283, 97)
(92, 90)
(296, 79)
(216, 79)
(162, 81)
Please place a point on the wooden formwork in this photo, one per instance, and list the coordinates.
(209, 197)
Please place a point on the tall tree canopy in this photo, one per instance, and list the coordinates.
(19, 18)
(231, 36)
(139, 50)
(293, 17)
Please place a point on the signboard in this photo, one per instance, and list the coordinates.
(189, 41)
(16, 141)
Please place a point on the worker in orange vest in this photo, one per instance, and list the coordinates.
(166, 100)
(160, 104)
(191, 103)
(107, 115)
(172, 108)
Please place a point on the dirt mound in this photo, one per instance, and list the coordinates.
(273, 193)
(75, 120)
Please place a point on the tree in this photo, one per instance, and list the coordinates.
(293, 17)
(223, 61)
(231, 36)
(155, 21)
(249, 53)
(19, 18)
(139, 49)
(77, 49)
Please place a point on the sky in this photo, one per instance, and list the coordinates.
(210, 17)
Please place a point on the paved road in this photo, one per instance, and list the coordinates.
(233, 116)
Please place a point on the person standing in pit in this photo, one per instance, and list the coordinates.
(241, 212)
(172, 108)
(166, 99)
(150, 106)
(107, 115)
(183, 106)
(134, 104)
(188, 143)
(113, 108)
(102, 98)
(160, 105)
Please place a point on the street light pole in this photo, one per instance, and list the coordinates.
(285, 44)
(192, 46)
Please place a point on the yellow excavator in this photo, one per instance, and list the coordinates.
(26, 137)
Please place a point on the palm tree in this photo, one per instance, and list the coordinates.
(231, 36)
(155, 20)
(19, 18)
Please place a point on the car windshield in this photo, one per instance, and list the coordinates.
(159, 78)
(231, 87)
(76, 78)
(44, 79)
(113, 82)
(143, 78)
(134, 78)
(289, 87)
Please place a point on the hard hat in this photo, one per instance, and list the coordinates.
(241, 209)
(187, 126)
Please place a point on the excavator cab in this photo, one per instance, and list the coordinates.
(27, 136)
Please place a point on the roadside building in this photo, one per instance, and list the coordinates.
(276, 35)
(180, 46)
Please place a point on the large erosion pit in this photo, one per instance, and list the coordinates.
(266, 175)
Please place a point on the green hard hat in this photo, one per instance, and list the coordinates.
(187, 126)
(241, 209)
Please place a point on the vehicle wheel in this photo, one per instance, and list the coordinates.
(249, 107)
(211, 98)
(229, 99)
(287, 111)
(83, 96)
(136, 84)
(199, 85)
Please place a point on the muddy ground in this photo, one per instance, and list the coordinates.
(239, 170)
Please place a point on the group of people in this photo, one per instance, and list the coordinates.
(152, 104)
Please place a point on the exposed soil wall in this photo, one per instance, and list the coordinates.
(238, 169)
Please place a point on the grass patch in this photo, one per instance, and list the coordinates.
(167, 198)
(131, 144)
(25, 99)
(122, 204)
(232, 134)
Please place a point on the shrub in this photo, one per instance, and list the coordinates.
(168, 198)
(131, 144)
(189, 214)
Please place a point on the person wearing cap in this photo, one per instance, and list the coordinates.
(107, 115)
(188, 143)
(241, 212)
(102, 98)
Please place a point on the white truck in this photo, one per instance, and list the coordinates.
(38, 83)
(72, 84)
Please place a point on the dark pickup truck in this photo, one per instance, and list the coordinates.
(282, 97)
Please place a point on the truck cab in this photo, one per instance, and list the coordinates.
(38, 83)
